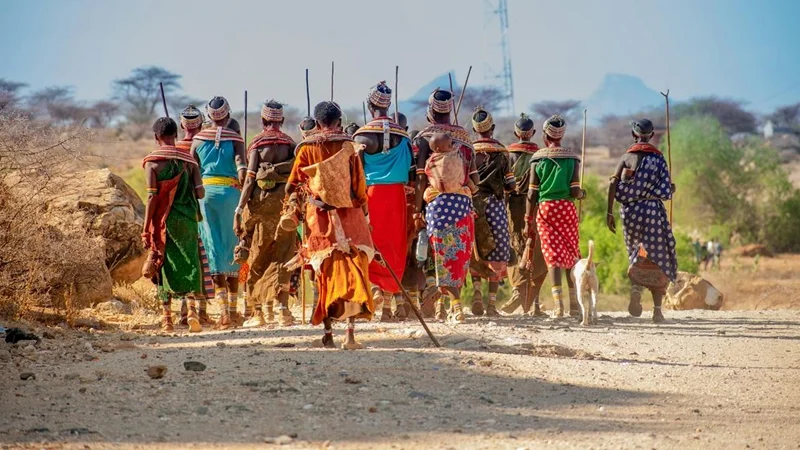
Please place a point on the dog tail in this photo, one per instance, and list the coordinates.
(591, 253)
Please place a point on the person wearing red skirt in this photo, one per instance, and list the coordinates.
(555, 182)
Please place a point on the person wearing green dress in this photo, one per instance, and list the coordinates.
(174, 186)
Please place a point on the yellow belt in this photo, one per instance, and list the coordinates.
(220, 181)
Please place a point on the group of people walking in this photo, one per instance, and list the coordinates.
(373, 211)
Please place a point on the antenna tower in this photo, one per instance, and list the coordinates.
(497, 71)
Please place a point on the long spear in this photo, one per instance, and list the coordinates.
(245, 119)
(396, 113)
(583, 164)
(331, 80)
(308, 97)
(303, 274)
(364, 107)
(669, 154)
(384, 263)
(463, 90)
(163, 99)
(452, 93)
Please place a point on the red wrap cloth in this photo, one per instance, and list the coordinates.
(557, 223)
(387, 213)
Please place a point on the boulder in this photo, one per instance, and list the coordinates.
(752, 250)
(104, 206)
(690, 291)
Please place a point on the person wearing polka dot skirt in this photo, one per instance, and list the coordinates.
(492, 238)
(444, 200)
(555, 182)
(641, 183)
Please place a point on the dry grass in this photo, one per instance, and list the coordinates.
(766, 283)
(40, 265)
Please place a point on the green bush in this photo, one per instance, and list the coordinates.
(726, 189)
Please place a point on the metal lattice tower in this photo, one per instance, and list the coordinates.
(497, 53)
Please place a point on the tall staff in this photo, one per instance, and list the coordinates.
(364, 107)
(163, 99)
(669, 155)
(331, 80)
(308, 97)
(396, 113)
(464, 89)
(245, 119)
(583, 164)
(452, 93)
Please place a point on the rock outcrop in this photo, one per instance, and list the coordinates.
(690, 291)
(104, 206)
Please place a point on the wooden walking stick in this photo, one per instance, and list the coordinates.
(450, 76)
(331, 80)
(303, 275)
(669, 156)
(364, 107)
(464, 89)
(244, 135)
(396, 112)
(382, 262)
(308, 97)
(583, 165)
(163, 99)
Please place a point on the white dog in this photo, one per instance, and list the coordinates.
(585, 277)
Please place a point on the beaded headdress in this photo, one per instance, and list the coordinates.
(272, 114)
(191, 118)
(380, 95)
(555, 132)
(440, 106)
(524, 134)
(218, 113)
(483, 125)
(307, 126)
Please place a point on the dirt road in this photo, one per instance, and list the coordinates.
(703, 380)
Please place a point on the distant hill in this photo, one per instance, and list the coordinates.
(621, 94)
(409, 105)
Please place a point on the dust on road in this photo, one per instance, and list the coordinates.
(703, 380)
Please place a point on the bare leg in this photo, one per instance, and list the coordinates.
(350, 340)
(477, 297)
(221, 296)
(327, 338)
(491, 307)
(558, 302)
(233, 299)
(658, 316)
(166, 324)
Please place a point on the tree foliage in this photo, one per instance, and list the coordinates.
(729, 113)
(9, 93)
(139, 94)
(742, 189)
(786, 116)
(570, 110)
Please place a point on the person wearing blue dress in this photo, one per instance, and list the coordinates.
(221, 155)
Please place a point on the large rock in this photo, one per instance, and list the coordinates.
(692, 292)
(103, 205)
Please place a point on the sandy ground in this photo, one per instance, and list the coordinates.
(704, 379)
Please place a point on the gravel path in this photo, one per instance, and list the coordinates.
(702, 380)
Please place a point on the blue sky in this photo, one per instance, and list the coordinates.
(743, 49)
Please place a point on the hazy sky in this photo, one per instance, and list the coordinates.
(745, 49)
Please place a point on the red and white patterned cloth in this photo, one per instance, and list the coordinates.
(557, 223)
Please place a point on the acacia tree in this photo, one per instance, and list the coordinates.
(9, 93)
(139, 95)
(729, 113)
(786, 116)
(570, 110)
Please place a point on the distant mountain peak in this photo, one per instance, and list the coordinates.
(621, 94)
